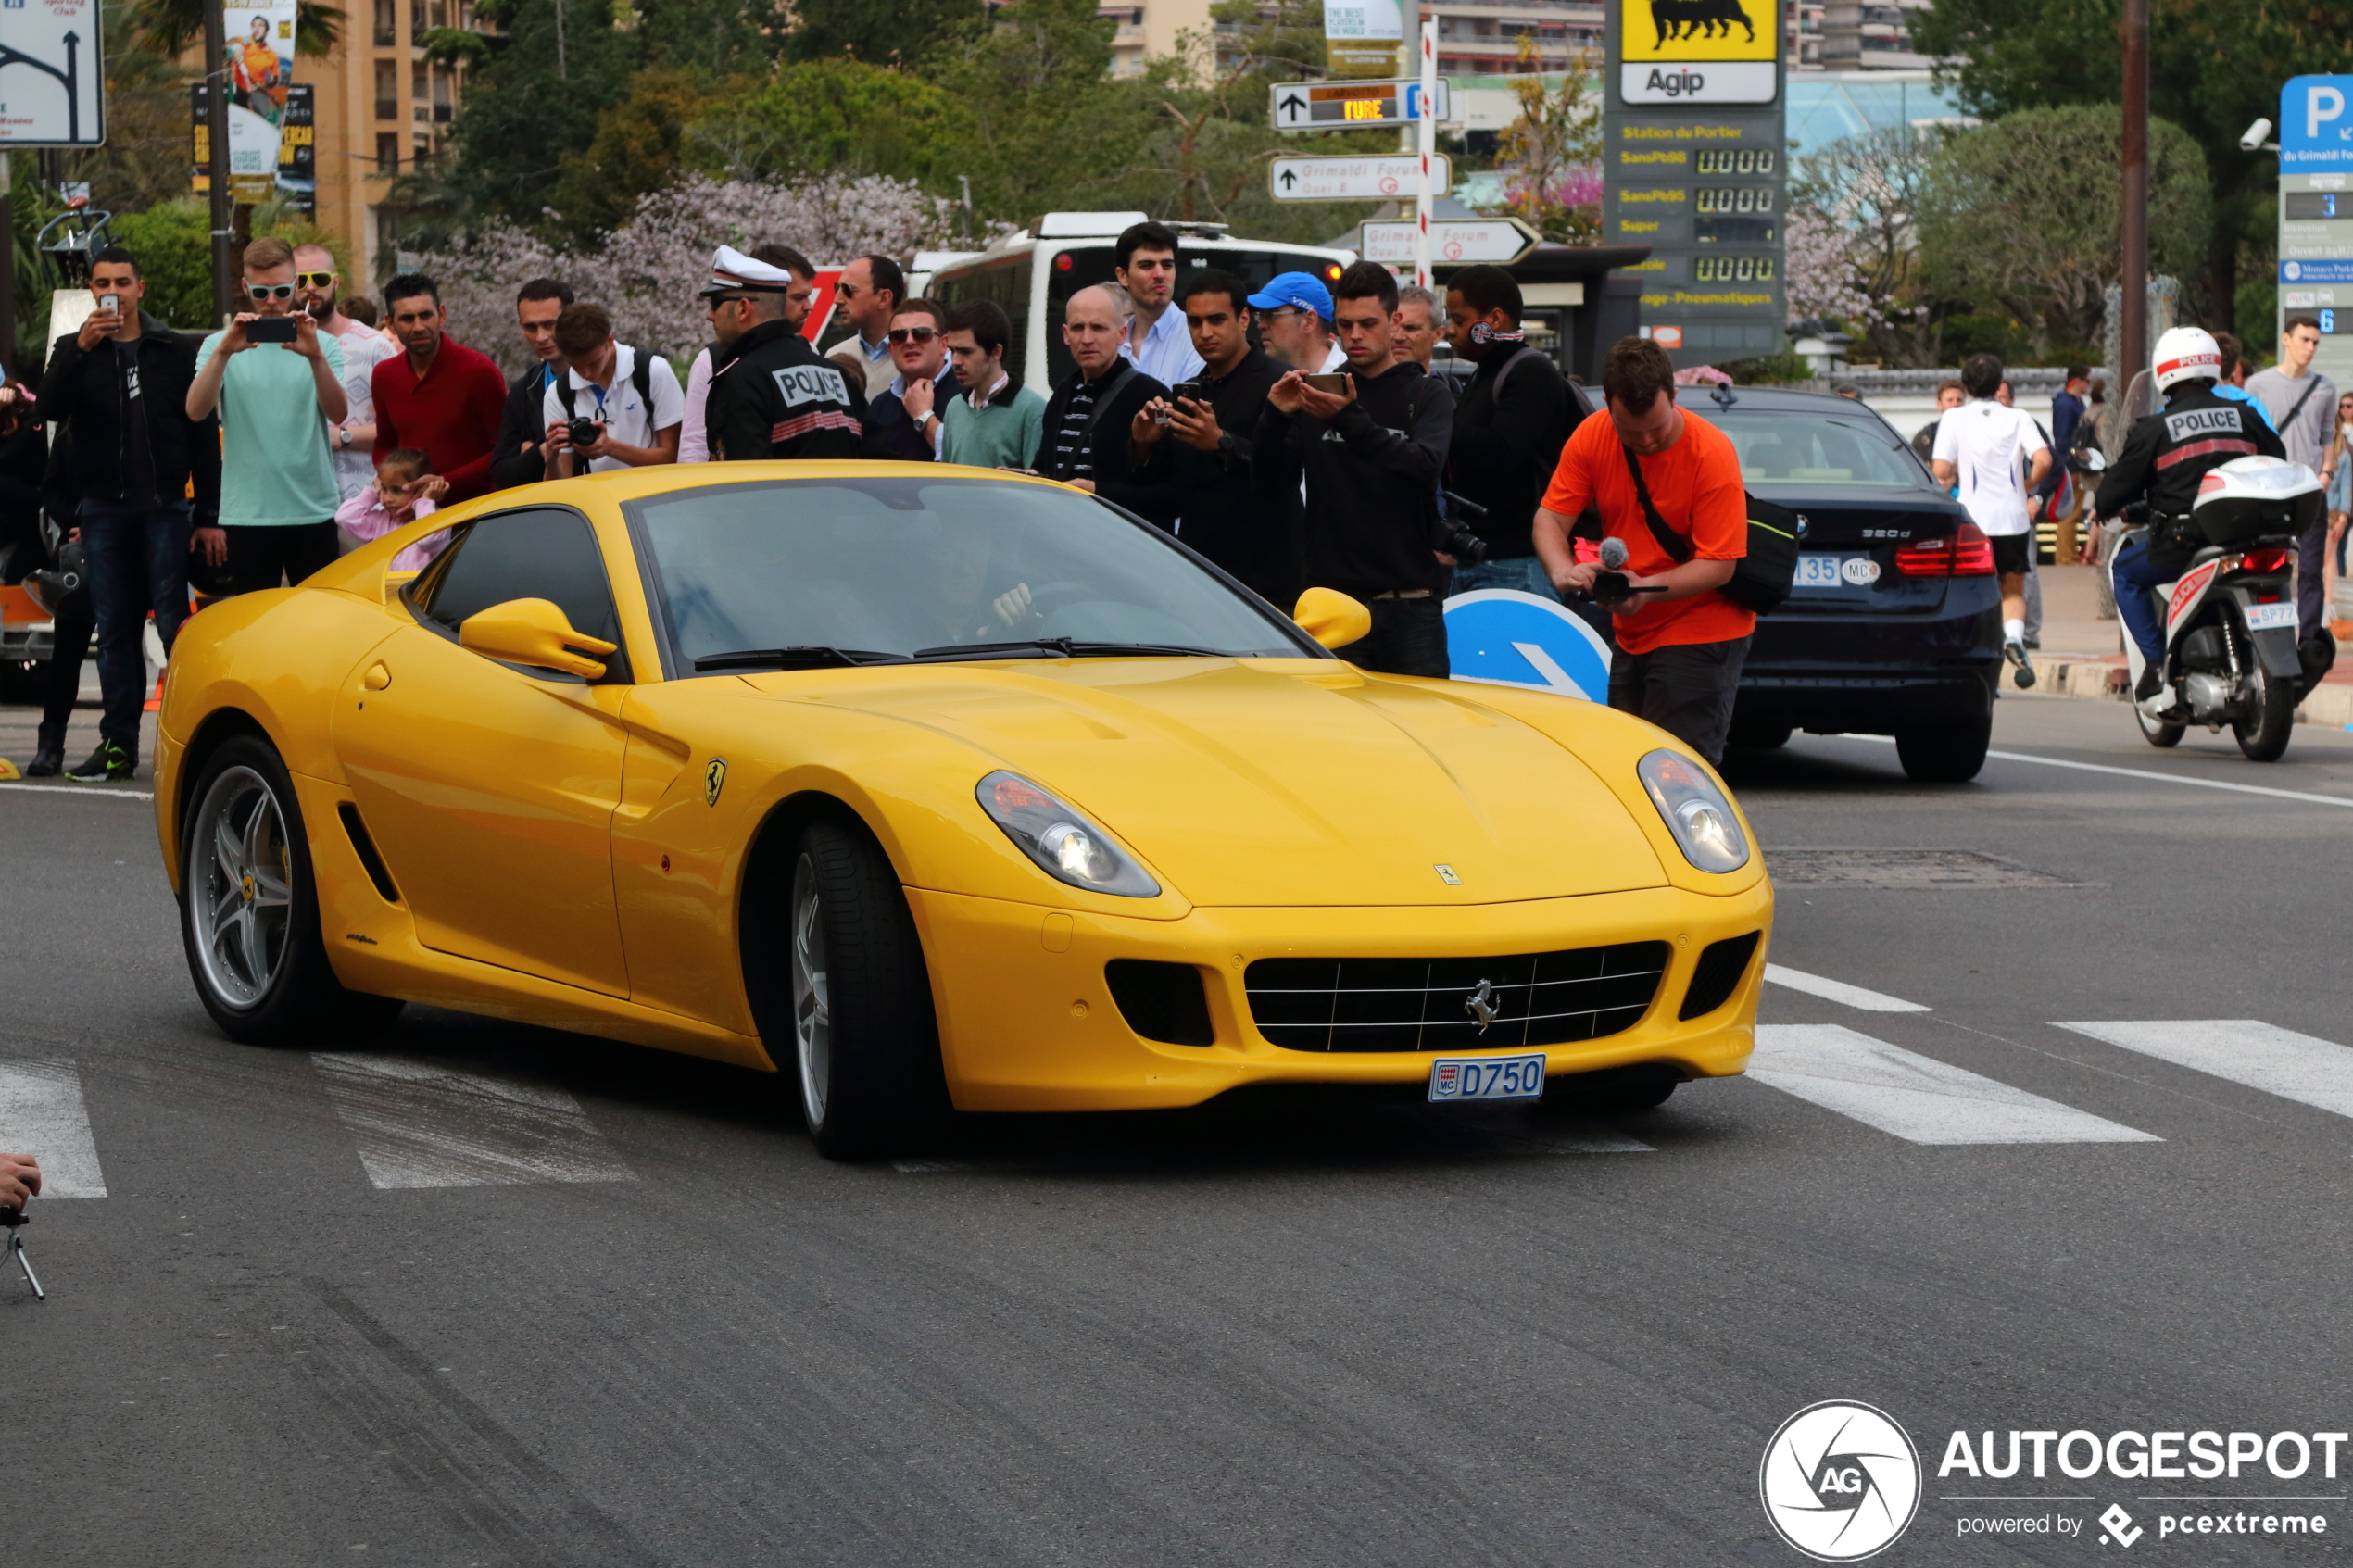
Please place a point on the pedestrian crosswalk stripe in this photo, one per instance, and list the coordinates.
(1913, 1096)
(41, 1114)
(2245, 1051)
(1840, 991)
(423, 1122)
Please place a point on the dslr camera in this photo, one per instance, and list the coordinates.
(1452, 535)
(585, 432)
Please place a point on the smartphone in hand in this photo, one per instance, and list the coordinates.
(271, 329)
(1335, 383)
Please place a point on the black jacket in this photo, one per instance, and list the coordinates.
(521, 425)
(1372, 482)
(2166, 454)
(890, 435)
(87, 389)
(1508, 430)
(1218, 512)
(1121, 391)
(772, 395)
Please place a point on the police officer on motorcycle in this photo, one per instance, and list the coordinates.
(2164, 457)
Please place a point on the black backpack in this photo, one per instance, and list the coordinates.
(1761, 579)
(641, 376)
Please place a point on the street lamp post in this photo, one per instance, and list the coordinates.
(2134, 296)
(216, 99)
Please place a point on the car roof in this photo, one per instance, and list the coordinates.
(1769, 399)
(632, 483)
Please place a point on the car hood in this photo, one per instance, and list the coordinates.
(1273, 782)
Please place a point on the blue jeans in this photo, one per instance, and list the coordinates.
(2136, 574)
(1524, 572)
(138, 561)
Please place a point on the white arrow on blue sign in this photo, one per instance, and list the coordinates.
(1503, 637)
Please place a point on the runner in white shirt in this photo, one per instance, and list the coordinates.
(1980, 446)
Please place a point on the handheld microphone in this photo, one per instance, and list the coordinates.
(1613, 553)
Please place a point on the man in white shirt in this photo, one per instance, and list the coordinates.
(633, 395)
(1980, 446)
(1156, 343)
(316, 289)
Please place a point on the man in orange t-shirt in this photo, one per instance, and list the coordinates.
(1682, 642)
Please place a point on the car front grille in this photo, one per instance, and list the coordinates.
(1424, 1004)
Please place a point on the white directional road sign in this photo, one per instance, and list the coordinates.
(52, 74)
(1352, 105)
(1355, 179)
(1453, 241)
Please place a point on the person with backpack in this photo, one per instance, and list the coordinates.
(1508, 428)
(1371, 454)
(1668, 486)
(632, 397)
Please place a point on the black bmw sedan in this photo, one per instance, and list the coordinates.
(1893, 627)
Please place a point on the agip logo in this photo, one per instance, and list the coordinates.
(1733, 48)
(1840, 1481)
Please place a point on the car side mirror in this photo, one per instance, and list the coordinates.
(531, 632)
(1332, 617)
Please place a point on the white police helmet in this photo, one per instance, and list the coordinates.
(2187, 354)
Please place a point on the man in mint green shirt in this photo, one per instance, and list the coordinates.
(998, 422)
(277, 401)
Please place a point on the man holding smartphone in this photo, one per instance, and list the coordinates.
(277, 381)
(120, 385)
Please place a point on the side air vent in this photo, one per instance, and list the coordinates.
(1162, 1001)
(1718, 975)
(365, 847)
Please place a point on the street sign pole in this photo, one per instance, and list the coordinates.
(2133, 297)
(216, 45)
(1429, 127)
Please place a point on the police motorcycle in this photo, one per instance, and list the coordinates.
(2230, 652)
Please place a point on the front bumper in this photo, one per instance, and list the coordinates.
(1027, 1020)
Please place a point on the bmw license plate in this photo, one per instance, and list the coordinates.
(1819, 570)
(2271, 617)
(1487, 1078)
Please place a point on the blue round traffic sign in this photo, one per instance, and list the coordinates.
(1507, 638)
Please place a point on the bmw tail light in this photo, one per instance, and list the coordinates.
(2273, 559)
(1967, 553)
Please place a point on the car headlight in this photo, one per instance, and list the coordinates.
(1697, 814)
(1064, 844)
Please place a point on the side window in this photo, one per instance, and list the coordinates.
(538, 553)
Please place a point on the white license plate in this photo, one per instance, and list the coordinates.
(1487, 1078)
(2271, 617)
(1817, 570)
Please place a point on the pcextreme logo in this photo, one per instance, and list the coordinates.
(1840, 1481)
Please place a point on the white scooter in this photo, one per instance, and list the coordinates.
(2231, 653)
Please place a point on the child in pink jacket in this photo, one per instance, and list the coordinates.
(405, 490)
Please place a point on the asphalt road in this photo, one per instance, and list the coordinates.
(491, 1295)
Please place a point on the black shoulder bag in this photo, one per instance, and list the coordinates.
(1760, 579)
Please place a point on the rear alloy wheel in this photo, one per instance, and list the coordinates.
(1945, 753)
(249, 910)
(2265, 736)
(865, 1043)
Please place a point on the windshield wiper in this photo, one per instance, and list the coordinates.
(1066, 647)
(803, 656)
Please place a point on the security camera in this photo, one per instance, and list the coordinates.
(2251, 140)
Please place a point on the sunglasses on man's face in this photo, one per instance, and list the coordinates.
(314, 280)
(271, 291)
(919, 334)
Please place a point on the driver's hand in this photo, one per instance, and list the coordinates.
(1012, 606)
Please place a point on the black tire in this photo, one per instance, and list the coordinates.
(1760, 738)
(861, 1038)
(260, 963)
(1945, 753)
(2265, 736)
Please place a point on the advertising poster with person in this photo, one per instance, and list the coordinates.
(258, 65)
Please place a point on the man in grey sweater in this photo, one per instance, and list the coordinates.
(2303, 409)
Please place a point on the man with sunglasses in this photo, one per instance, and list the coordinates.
(277, 401)
(772, 395)
(731, 315)
(363, 349)
(904, 423)
(872, 289)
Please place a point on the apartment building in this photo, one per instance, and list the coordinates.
(380, 106)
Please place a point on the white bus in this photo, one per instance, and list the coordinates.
(1031, 275)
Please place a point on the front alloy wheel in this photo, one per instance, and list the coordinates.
(242, 889)
(812, 1019)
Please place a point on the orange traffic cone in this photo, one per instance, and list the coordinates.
(157, 701)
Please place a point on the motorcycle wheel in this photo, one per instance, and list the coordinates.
(2264, 737)
(2158, 735)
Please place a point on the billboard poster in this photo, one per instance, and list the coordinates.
(268, 162)
(1362, 37)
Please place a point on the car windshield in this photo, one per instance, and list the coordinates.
(1817, 451)
(853, 570)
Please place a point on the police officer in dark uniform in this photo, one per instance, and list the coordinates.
(772, 394)
(2164, 457)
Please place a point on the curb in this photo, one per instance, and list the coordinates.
(2331, 703)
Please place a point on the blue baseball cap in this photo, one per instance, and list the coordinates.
(1299, 291)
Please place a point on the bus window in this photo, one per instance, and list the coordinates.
(1007, 282)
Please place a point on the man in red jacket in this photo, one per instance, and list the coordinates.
(440, 397)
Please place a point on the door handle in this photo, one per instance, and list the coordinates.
(378, 677)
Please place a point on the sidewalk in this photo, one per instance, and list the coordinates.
(2083, 656)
